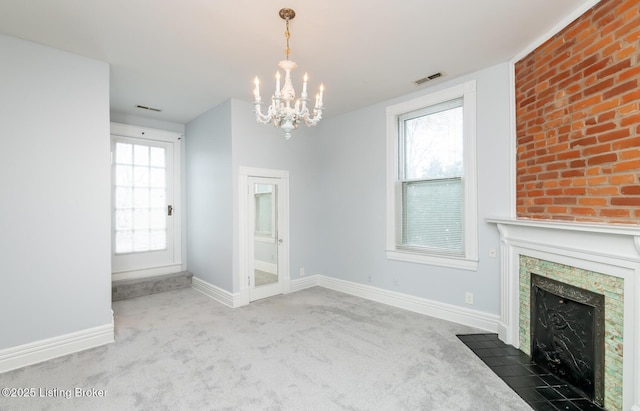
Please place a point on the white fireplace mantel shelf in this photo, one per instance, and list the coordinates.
(617, 229)
(606, 240)
(603, 248)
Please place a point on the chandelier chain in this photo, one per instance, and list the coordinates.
(287, 35)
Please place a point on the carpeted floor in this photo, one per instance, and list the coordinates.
(315, 349)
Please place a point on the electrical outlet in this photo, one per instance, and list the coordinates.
(492, 253)
(301, 271)
(468, 298)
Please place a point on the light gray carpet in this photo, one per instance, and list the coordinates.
(315, 349)
(125, 289)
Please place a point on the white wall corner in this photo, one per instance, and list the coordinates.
(43, 350)
(224, 297)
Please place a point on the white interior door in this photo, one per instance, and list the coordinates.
(143, 207)
(266, 237)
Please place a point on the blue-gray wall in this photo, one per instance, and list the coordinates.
(337, 194)
(263, 146)
(218, 143)
(209, 194)
(352, 195)
(55, 178)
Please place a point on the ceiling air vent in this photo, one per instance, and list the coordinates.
(149, 108)
(428, 78)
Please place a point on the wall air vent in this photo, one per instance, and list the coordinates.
(149, 108)
(428, 78)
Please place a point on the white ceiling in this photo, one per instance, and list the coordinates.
(187, 56)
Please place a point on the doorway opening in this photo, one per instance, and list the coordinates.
(145, 197)
(264, 232)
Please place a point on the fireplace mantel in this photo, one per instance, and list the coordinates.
(620, 241)
(608, 249)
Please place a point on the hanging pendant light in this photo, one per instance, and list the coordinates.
(285, 111)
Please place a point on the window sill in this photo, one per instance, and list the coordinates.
(419, 258)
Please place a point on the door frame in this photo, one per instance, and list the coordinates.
(245, 257)
(151, 134)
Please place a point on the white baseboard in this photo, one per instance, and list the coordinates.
(38, 351)
(472, 318)
(503, 334)
(146, 272)
(304, 282)
(225, 297)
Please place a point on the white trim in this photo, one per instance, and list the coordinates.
(218, 294)
(38, 351)
(562, 24)
(472, 318)
(513, 164)
(148, 272)
(451, 262)
(245, 243)
(595, 228)
(436, 309)
(304, 283)
(469, 261)
(147, 133)
(127, 130)
(579, 11)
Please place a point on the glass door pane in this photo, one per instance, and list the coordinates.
(142, 204)
(265, 234)
(140, 198)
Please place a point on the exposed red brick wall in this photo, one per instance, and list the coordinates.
(578, 120)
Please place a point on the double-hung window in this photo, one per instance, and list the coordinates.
(431, 173)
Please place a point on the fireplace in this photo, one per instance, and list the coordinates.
(604, 259)
(567, 334)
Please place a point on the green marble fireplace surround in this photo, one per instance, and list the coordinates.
(613, 290)
(604, 259)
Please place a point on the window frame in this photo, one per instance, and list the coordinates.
(395, 250)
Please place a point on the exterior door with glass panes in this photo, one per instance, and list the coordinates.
(143, 226)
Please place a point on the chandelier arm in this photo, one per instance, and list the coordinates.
(261, 118)
(312, 121)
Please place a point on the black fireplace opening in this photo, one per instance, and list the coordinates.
(567, 334)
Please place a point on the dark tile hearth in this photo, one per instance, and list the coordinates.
(540, 389)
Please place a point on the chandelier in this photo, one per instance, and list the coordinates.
(285, 111)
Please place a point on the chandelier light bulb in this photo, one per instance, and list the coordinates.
(256, 91)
